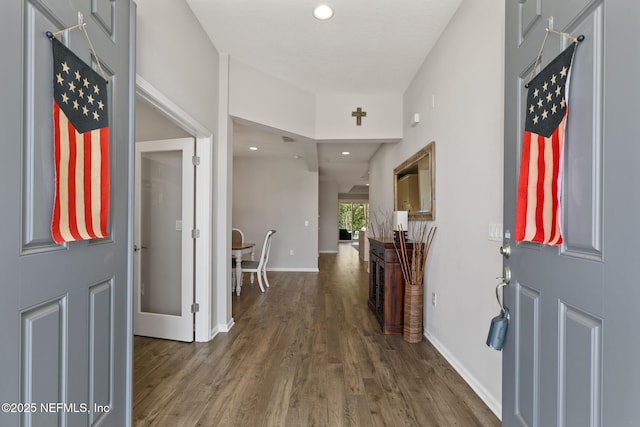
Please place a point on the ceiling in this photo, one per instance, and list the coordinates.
(369, 46)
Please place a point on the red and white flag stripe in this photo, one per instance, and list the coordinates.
(81, 203)
(538, 206)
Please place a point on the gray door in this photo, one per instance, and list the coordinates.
(572, 349)
(65, 323)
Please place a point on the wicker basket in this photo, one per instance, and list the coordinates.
(413, 305)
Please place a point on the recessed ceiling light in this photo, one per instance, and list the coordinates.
(345, 153)
(253, 148)
(323, 12)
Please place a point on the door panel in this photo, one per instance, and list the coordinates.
(64, 317)
(556, 368)
(43, 358)
(101, 336)
(530, 13)
(579, 379)
(163, 291)
(528, 349)
(583, 156)
(37, 167)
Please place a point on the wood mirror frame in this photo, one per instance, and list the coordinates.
(414, 185)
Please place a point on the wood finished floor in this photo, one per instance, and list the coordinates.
(307, 352)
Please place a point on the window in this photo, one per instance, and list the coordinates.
(352, 217)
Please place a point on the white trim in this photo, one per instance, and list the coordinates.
(204, 218)
(170, 109)
(304, 270)
(214, 332)
(130, 200)
(494, 405)
(221, 188)
(328, 252)
(225, 327)
(203, 244)
(221, 328)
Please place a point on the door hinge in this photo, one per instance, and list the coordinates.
(195, 160)
(195, 233)
(195, 307)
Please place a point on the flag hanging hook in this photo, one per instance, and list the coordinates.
(82, 25)
(546, 34)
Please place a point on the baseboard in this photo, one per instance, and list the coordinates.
(481, 391)
(223, 328)
(212, 334)
(328, 252)
(303, 270)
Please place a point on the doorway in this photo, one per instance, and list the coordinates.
(159, 118)
(353, 216)
(163, 240)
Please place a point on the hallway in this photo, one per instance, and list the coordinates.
(306, 352)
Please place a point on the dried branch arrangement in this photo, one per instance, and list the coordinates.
(381, 225)
(412, 265)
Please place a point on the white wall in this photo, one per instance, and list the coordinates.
(328, 221)
(383, 120)
(261, 98)
(258, 97)
(464, 72)
(280, 194)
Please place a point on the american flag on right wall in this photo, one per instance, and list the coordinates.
(538, 201)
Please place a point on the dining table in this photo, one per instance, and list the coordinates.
(237, 251)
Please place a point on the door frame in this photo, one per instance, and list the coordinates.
(203, 287)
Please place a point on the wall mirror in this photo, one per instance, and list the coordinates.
(414, 184)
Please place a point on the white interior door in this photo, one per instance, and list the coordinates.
(163, 242)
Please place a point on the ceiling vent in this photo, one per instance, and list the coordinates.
(287, 139)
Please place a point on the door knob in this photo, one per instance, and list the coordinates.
(505, 250)
(506, 275)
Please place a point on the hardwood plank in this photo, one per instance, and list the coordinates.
(306, 352)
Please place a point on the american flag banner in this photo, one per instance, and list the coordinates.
(538, 199)
(81, 149)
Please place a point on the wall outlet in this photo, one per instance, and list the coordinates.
(434, 299)
(290, 251)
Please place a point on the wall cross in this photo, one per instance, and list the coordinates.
(359, 114)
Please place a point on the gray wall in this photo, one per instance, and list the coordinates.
(280, 194)
(328, 221)
(152, 125)
(464, 72)
(176, 57)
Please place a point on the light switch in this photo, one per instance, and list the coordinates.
(495, 232)
(178, 225)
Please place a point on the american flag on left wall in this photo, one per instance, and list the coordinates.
(81, 149)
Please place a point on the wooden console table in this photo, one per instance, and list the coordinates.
(386, 285)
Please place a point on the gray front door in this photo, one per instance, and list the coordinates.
(572, 349)
(65, 323)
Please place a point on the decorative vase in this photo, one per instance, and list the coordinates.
(413, 304)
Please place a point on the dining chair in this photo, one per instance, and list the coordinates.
(260, 267)
(237, 236)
